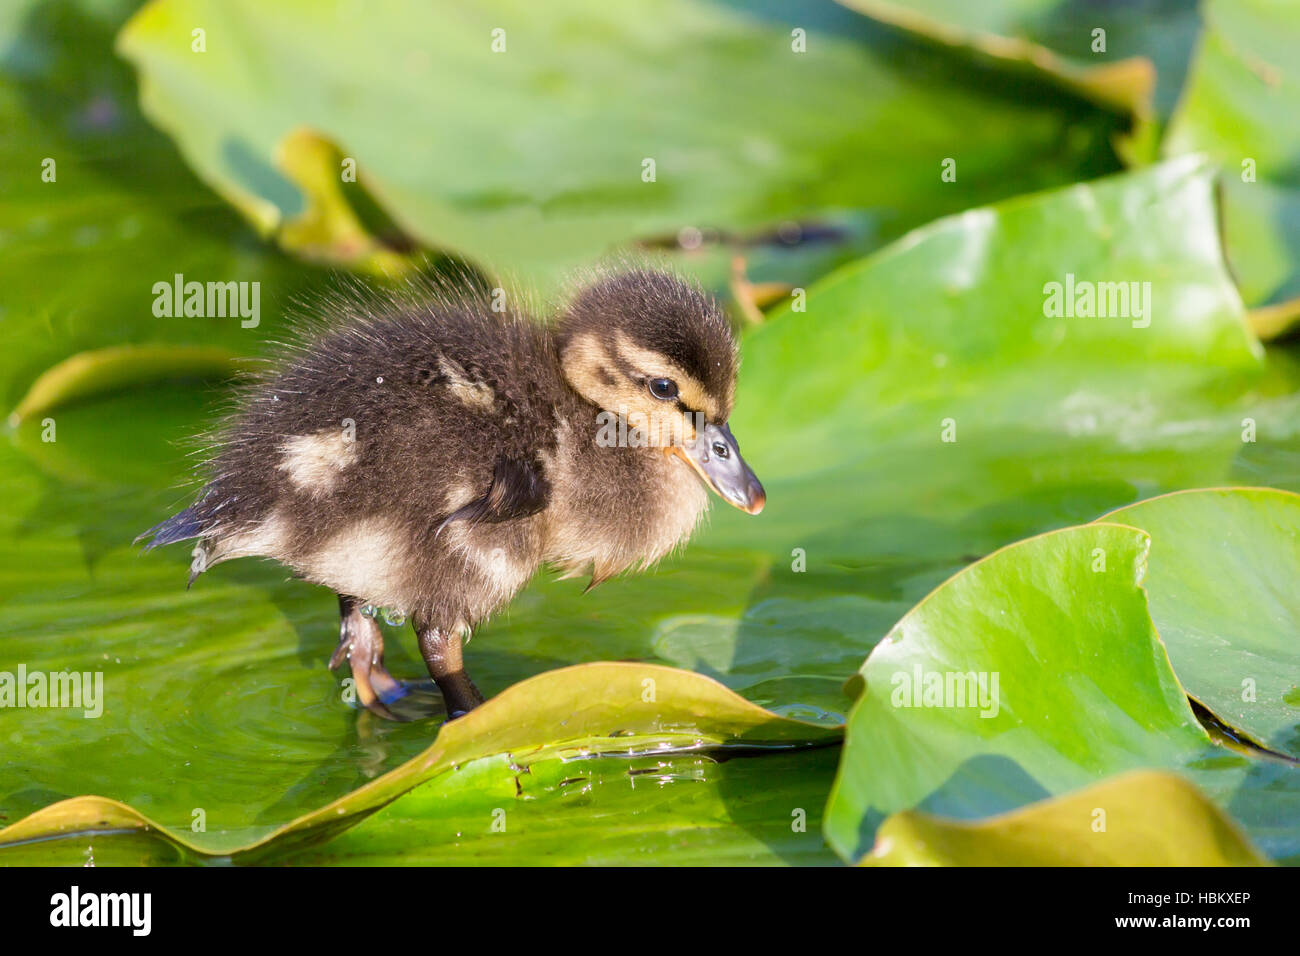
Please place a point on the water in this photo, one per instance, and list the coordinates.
(390, 616)
(809, 714)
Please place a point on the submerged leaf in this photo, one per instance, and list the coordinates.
(532, 139)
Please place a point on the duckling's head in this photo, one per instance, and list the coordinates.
(658, 357)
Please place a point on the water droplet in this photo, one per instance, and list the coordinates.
(393, 617)
(369, 610)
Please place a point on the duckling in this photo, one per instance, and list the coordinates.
(430, 455)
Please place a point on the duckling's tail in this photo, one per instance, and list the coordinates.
(179, 527)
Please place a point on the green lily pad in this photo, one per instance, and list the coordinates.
(1143, 818)
(1239, 107)
(1130, 57)
(957, 416)
(1033, 673)
(652, 809)
(525, 131)
(1073, 685)
(1224, 595)
(591, 709)
(678, 808)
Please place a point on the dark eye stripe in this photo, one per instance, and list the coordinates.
(631, 373)
(625, 368)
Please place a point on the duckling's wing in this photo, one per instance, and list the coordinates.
(518, 489)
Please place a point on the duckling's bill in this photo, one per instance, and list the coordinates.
(715, 456)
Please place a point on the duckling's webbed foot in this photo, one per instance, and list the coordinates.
(441, 650)
(361, 643)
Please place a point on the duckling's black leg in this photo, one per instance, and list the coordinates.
(442, 655)
(361, 642)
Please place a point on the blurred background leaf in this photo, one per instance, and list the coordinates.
(81, 254)
(1129, 57)
(1239, 107)
(531, 162)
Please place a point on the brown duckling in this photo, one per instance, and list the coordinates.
(429, 457)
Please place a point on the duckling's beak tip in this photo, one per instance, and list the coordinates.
(715, 457)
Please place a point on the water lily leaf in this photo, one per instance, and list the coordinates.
(591, 709)
(1223, 593)
(1033, 673)
(1239, 107)
(81, 254)
(1068, 683)
(1143, 818)
(679, 808)
(1059, 42)
(104, 370)
(330, 230)
(1274, 321)
(664, 808)
(534, 139)
(1130, 57)
(967, 416)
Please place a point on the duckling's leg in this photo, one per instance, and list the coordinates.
(442, 655)
(361, 642)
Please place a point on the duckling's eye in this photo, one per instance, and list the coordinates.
(663, 388)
